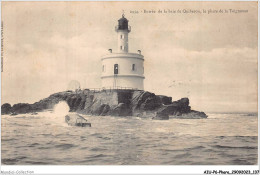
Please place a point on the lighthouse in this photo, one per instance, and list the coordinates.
(121, 69)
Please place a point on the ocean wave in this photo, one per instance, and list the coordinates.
(132, 141)
(236, 136)
(9, 139)
(25, 125)
(65, 146)
(185, 149)
(185, 155)
(96, 156)
(236, 147)
(37, 163)
(33, 144)
(12, 161)
(98, 149)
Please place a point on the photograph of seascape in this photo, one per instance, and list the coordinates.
(129, 83)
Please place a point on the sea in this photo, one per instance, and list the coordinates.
(45, 139)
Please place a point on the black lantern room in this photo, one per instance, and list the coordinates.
(123, 23)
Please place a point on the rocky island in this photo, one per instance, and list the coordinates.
(112, 103)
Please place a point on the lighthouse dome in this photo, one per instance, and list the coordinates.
(123, 23)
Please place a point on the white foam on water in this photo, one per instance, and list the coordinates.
(60, 110)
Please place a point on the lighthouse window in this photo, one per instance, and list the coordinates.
(103, 68)
(121, 47)
(115, 69)
(122, 36)
(133, 67)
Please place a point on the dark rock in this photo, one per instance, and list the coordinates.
(143, 100)
(121, 110)
(184, 101)
(22, 108)
(101, 109)
(106, 109)
(169, 109)
(164, 99)
(161, 116)
(112, 102)
(6, 108)
(192, 115)
(13, 113)
(176, 108)
(183, 105)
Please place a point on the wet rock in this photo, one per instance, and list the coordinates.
(161, 116)
(143, 100)
(113, 102)
(13, 113)
(6, 108)
(192, 115)
(164, 99)
(22, 108)
(121, 110)
(105, 109)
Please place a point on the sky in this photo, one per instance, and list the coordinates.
(211, 58)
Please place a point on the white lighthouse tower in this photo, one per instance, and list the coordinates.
(122, 69)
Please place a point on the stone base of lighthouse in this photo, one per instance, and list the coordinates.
(122, 71)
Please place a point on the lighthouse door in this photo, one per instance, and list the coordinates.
(115, 69)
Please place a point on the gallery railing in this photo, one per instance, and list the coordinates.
(108, 89)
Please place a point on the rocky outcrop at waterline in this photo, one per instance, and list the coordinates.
(112, 102)
(6, 108)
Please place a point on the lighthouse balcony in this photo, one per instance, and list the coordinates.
(118, 28)
(126, 75)
(123, 55)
